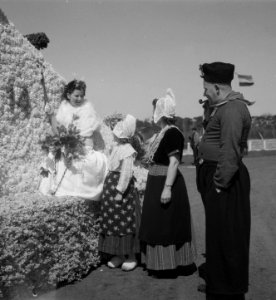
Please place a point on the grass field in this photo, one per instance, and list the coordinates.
(106, 284)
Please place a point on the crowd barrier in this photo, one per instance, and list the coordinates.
(253, 145)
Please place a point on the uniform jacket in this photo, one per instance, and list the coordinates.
(225, 137)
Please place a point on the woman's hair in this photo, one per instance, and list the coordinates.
(73, 85)
(170, 121)
(137, 142)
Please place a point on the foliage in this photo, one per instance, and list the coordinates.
(262, 127)
(38, 40)
(66, 141)
(45, 240)
(113, 119)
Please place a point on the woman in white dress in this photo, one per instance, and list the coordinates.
(85, 176)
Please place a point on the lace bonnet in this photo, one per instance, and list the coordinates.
(165, 106)
(125, 129)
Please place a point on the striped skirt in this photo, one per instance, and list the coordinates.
(159, 258)
(119, 245)
(168, 257)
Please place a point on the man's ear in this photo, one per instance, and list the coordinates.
(217, 89)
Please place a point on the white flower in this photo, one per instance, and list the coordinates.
(48, 109)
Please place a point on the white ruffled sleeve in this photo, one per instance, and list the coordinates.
(87, 121)
(83, 117)
(64, 115)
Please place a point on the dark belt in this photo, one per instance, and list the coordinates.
(202, 161)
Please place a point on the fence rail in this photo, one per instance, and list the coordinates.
(253, 145)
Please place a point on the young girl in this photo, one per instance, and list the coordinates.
(120, 208)
(85, 177)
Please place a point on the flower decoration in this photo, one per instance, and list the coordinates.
(113, 119)
(67, 142)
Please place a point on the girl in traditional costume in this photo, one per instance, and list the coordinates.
(85, 176)
(166, 231)
(120, 207)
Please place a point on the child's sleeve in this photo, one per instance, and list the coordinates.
(125, 174)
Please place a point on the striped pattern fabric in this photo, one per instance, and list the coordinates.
(168, 257)
(115, 245)
(158, 170)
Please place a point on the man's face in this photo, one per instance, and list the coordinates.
(210, 92)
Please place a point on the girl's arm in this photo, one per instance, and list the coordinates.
(125, 176)
(171, 174)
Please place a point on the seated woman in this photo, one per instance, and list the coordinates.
(85, 176)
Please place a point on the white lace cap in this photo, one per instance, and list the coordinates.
(165, 106)
(125, 129)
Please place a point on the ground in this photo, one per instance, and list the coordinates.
(106, 284)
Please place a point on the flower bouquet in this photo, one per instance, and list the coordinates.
(66, 144)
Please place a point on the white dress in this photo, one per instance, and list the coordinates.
(86, 176)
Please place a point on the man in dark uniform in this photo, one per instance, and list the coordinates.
(224, 184)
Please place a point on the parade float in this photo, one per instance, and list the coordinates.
(44, 240)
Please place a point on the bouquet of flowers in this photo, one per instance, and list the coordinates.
(67, 142)
(140, 174)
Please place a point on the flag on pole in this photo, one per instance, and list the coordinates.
(245, 80)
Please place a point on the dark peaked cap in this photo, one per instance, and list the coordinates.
(217, 72)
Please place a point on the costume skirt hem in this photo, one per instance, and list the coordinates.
(119, 245)
(169, 257)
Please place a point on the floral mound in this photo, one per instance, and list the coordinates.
(22, 119)
(45, 240)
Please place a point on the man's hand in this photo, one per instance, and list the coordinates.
(218, 190)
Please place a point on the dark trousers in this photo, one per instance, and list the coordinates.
(195, 154)
(227, 232)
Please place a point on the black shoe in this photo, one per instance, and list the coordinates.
(187, 270)
(201, 288)
(202, 271)
(164, 274)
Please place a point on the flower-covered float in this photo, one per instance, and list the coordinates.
(44, 240)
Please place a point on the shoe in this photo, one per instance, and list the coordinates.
(201, 288)
(129, 265)
(115, 262)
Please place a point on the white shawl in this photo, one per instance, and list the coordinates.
(83, 117)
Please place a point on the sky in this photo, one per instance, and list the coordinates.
(129, 52)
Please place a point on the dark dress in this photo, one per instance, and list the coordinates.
(165, 230)
(119, 221)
